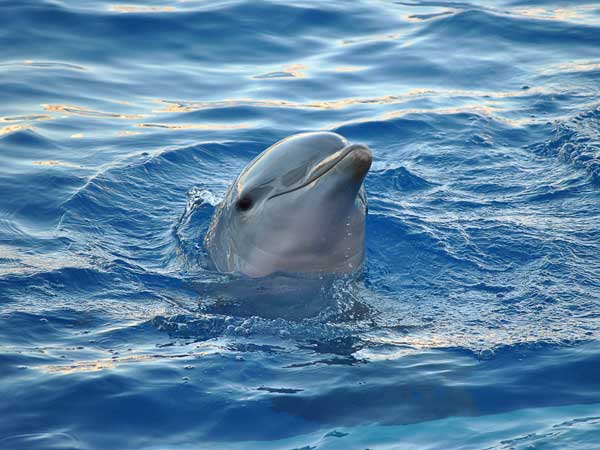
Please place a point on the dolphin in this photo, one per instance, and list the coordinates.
(298, 208)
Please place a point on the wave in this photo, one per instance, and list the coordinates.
(112, 212)
(576, 141)
(191, 30)
(505, 29)
(401, 179)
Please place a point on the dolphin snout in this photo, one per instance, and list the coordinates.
(360, 157)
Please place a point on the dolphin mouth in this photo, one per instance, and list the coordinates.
(363, 158)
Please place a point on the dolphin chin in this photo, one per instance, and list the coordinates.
(299, 207)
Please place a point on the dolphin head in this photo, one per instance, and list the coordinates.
(298, 207)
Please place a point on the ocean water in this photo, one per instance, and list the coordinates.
(476, 322)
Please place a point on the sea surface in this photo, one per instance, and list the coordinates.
(476, 322)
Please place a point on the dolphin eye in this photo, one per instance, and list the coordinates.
(244, 203)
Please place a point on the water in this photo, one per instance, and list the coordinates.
(476, 322)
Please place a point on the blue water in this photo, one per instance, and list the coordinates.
(476, 323)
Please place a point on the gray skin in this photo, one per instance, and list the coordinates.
(299, 207)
